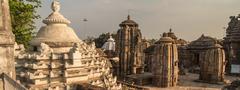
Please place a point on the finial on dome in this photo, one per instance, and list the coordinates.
(170, 30)
(109, 34)
(128, 17)
(56, 6)
(55, 16)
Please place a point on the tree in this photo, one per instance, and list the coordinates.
(23, 13)
(89, 40)
(152, 41)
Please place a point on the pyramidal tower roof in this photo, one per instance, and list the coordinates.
(56, 33)
(128, 22)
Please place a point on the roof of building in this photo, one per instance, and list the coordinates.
(165, 39)
(56, 33)
(129, 22)
(203, 42)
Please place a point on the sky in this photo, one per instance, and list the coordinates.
(189, 19)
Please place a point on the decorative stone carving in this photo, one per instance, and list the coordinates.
(231, 44)
(129, 49)
(165, 64)
(62, 63)
(212, 68)
(44, 49)
(56, 6)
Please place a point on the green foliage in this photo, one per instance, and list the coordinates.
(23, 13)
(152, 41)
(89, 40)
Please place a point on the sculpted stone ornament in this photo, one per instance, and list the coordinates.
(56, 6)
(76, 47)
(128, 48)
(44, 49)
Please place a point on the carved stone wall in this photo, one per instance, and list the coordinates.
(165, 63)
(212, 68)
(129, 48)
(45, 69)
(232, 43)
(196, 51)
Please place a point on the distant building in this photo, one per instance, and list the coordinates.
(212, 67)
(181, 46)
(109, 50)
(109, 47)
(196, 51)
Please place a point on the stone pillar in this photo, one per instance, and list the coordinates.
(212, 68)
(6, 41)
(165, 63)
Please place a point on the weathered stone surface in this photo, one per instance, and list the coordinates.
(7, 83)
(212, 67)
(195, 52)
(129, 40)
(182, 52)
(235, 85)
(232, 43)
(165, 63)
(6, 41)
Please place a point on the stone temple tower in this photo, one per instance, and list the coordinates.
(231, 45)
(165, 63)
(6, 41)
(212, 68)
(62, 61)
(128, 47)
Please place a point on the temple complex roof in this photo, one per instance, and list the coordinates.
(128, 22)
(203, 42)
(165, 39)
(56, 33)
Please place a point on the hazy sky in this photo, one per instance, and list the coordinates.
(188, 18)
